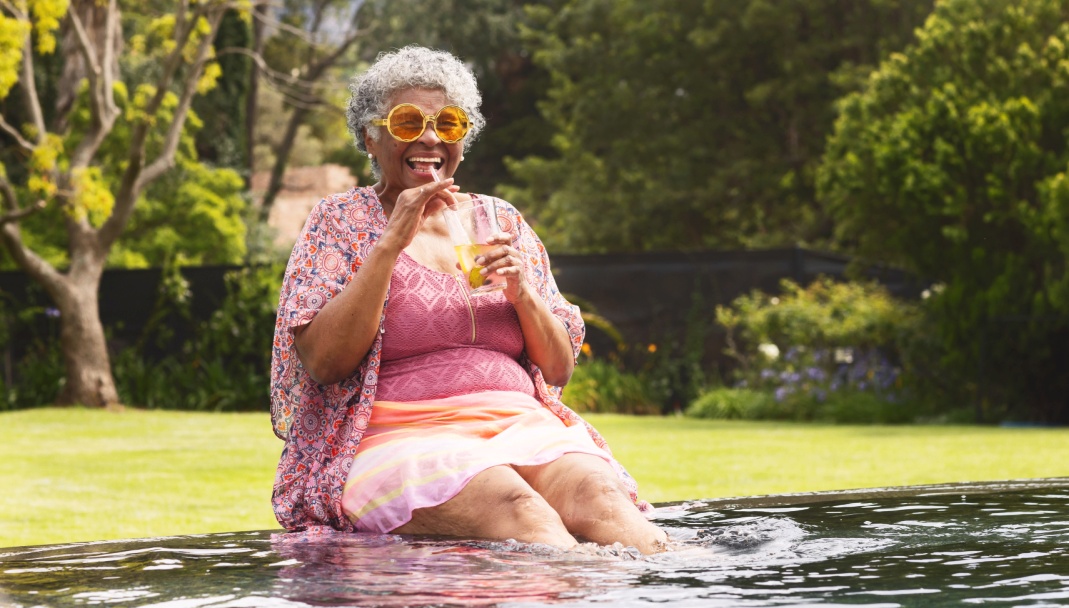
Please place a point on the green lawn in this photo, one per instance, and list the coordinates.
(77, 474)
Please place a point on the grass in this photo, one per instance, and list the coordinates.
(77, 474)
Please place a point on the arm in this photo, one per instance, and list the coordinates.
(338, 338)
(547, 339)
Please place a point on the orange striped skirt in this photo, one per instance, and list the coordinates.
(422, 453)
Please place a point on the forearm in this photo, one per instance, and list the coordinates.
(545, 338)
(332, 346)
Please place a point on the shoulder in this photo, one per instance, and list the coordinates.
(353, 211)
(508, 216)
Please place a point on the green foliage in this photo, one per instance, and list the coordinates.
(674, 367)
(485, 34)
(825, 314)
(691, 125)
(601, 386)
(224, 365)
(830, 351)
(39, 369)
(952, 162)
(193, 214)
(222, 140)
(725, 403)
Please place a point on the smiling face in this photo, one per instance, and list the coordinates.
(407, 165)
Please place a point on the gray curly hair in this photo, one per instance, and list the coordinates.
(407, 68)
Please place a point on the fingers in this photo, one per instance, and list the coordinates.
(503, 261)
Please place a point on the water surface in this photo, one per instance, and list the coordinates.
(1003, 544)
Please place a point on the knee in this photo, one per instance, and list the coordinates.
(600, 495)
(533, 518)
(524, 504)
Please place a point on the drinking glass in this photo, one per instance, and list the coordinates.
(471, 224)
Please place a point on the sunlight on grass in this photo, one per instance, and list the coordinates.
(682, 458)
(77, 474)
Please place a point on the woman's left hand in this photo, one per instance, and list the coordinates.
(545, 338)
(505, 261)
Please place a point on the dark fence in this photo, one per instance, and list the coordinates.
(646, 296)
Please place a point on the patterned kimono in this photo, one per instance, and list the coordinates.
(322, 424)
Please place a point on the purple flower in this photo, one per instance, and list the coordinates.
(815, 373)
(782, 392)
(52, 313)
(767, 374)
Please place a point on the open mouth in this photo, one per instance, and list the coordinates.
(424, 164)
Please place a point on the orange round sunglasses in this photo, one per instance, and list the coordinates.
(406, 122)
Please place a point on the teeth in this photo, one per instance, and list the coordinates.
(417, 159)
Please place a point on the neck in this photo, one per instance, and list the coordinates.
(386, 198)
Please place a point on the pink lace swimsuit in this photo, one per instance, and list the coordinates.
(440, 342)
(452, 401)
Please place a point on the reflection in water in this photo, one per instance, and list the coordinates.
(928, 546)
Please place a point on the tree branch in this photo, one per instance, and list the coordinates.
(294, 96)
(29, 89)
(33, 264)
(131, 178)
(111, 33)
(102, 109)
(14, 133)
(15, 216)
(11, 200)
(166, 158)
(14, 10)
(124, 205)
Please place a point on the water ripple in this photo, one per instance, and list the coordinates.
(1009, 547)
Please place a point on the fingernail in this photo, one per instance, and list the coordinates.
(484, 271)
(479, 261)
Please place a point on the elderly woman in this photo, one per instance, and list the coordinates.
(407, 406)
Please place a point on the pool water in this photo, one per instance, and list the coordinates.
(1004, 544)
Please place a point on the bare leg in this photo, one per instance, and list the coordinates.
(593, 503)
(496, 504)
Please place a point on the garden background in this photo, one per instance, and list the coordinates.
(920, 145)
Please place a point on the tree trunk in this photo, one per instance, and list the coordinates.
(282, 159)
(85, 352)
(252, 99)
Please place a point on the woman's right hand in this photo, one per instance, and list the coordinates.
(332, 346)
(412, 207)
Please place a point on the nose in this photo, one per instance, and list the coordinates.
(429, 137)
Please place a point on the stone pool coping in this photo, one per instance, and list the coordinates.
(937, 489)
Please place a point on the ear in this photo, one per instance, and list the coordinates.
(369, 143)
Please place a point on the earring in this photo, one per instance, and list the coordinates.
(370, 155)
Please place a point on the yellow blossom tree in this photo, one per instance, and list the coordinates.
(61, 165)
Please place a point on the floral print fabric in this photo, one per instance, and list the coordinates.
(322, 424)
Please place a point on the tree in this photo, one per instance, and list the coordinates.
(171, 62)
(954, 162)
(691, 125)
(314, 36)
(485, 35)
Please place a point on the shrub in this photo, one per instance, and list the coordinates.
(224, 366)
(600, 386)
(829, 351)
(732, 404)
(39, 363)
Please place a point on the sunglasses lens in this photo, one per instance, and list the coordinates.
(452, 124)
(406, 122)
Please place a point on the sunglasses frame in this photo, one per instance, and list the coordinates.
(433, 119)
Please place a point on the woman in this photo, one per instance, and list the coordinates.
(407, 406)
